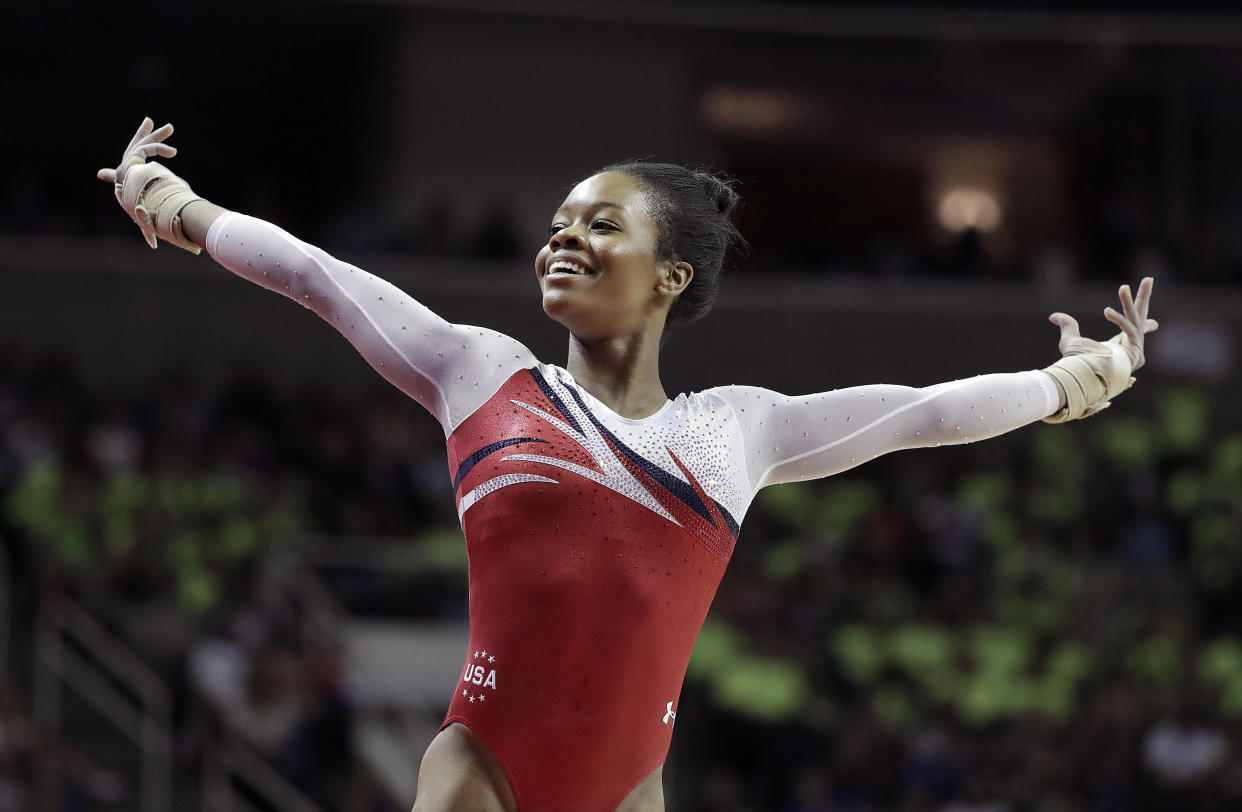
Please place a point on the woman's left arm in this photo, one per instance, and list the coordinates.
(790, 438)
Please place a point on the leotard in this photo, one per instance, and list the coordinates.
(596, 542)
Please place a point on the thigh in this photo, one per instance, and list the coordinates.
(648, 796)
(459, 774)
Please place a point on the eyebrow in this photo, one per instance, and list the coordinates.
(598, 204)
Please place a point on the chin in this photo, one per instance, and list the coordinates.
(559, 310)
(574, 319)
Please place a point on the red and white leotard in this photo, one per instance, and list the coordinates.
(596, 542)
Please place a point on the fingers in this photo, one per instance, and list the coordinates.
(1144, 297)
(1130, 339)
(158, 135)
(148, 151)
(1127, 300)
(1128, 327)
(1130, 305)
(1135, 307)
(146, 144)
(1132, 320)
(144, 129)
(149, 145)
(1067, 323)
(1069, 330)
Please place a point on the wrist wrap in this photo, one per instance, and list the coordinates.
(1090, 381)
(155, 198)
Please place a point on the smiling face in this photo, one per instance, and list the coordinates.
(600, 272)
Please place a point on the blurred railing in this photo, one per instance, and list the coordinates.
(400, 671)
(290, 589)
(227, 763)
(73, 649)
(6, 609)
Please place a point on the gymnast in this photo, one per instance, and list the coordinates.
(599, 514)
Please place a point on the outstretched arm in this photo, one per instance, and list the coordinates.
(789, 438)
(450, 369)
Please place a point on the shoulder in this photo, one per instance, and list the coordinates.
(742, 398)
(743, 407)
(509, 348)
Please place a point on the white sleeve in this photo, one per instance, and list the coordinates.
(450, 369)
(788, 438)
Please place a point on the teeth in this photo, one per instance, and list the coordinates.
(567, 266)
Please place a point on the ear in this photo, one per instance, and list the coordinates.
(674, 278)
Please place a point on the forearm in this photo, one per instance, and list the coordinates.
(953, 413)
(983, 406)
(395, 334)
(448, 368)
(812, 436)
(1061, 397)
(196, 220)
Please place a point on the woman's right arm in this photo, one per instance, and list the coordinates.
(197, 217)
(450, 369)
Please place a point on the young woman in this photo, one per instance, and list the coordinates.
(599, 514)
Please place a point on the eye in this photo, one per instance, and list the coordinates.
(555, 227)
(603, 225)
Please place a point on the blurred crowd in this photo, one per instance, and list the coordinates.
(1046, 621)
(156, 510)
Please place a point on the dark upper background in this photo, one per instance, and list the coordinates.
(1107, 133)
(941, 172)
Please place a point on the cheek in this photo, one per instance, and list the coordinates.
(633, 271)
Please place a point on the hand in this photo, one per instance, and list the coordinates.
(151, 195)
(146, 143)
(1133, 322)
(1091, 373)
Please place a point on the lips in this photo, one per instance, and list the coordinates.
(567, 266)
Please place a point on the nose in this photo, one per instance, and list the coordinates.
(565, 238)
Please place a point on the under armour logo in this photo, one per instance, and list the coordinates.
(672, 714)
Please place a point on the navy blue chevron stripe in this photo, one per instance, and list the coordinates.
(681, 490)
(473, 459)
(551, 395)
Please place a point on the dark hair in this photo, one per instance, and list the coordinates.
(692, 211)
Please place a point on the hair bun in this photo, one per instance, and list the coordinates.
(690, 208)
(720, 192)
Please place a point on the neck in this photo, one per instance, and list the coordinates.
(622, 372)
